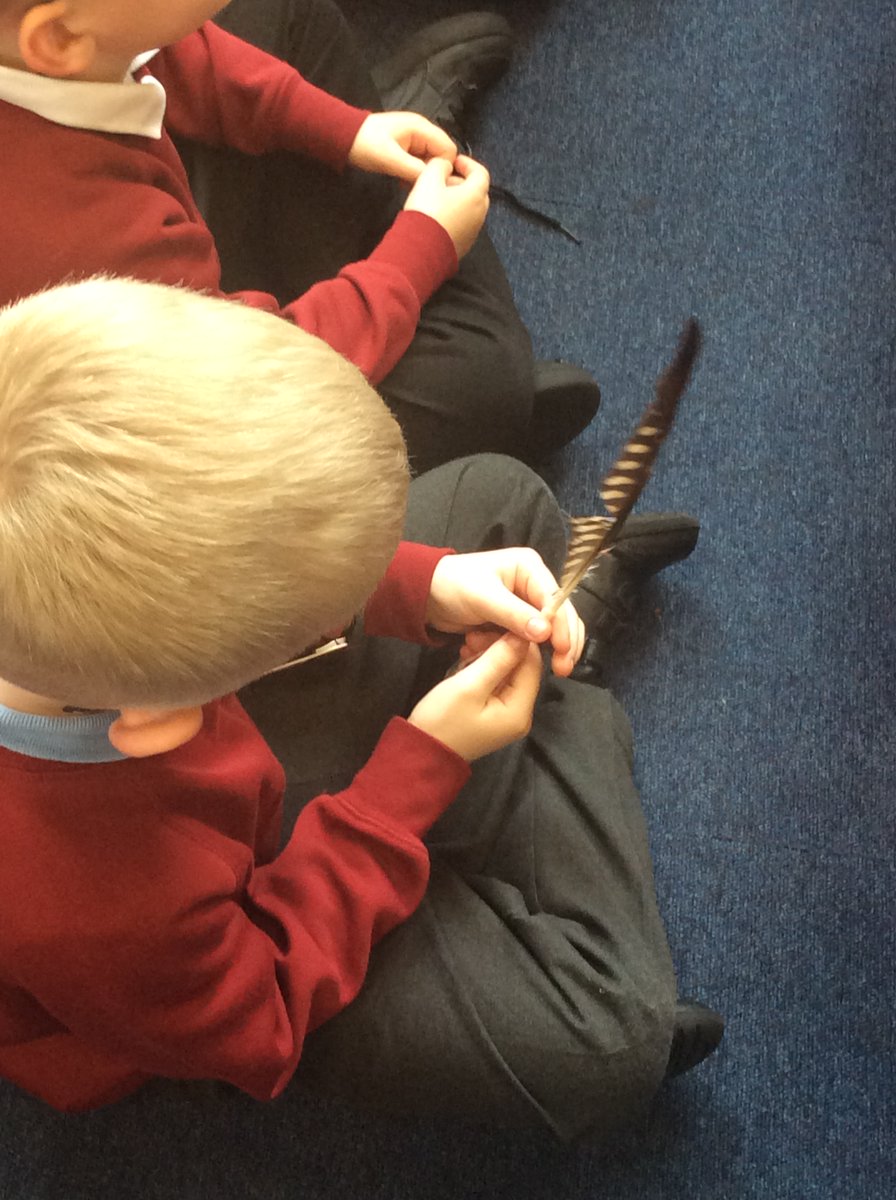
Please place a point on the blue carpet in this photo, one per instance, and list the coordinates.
(737, 162)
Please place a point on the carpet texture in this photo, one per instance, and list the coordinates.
(736, 162)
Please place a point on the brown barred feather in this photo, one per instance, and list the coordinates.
(583, 532)
(621, 487)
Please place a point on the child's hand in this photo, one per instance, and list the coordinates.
(455, 196)
(481, 595)
(399, 144)
(487, 705)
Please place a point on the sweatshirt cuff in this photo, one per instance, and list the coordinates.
(398, 606)
(409, 780)
(421, 249)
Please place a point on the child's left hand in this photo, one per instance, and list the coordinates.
(399, 144)
(481, 595)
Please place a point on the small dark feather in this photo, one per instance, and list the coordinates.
(621, 487)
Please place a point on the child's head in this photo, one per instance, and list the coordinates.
(94, 38)
(190, 491)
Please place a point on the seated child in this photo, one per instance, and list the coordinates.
(159, 550)
(92, 182)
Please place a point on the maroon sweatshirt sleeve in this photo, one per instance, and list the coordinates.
(78, 203)
(224, 91)
(370, 311)
(398, 606)
(235, 964)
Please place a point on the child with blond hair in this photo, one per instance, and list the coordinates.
(102, 103)
(159, 550)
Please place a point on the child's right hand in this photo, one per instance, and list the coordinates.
(454, 194)
(486, 705)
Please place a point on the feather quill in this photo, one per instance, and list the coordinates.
(621, 487)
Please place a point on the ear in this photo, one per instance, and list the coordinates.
(47, 45)
(141, 732)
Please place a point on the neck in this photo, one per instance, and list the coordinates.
(40, 706)
(9, 53)
(136, 732)
(115, 72)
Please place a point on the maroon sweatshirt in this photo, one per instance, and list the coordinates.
(77, 202)
(150, 927)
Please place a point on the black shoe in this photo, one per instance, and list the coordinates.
(439, 67)
(566, 399)
(607, 596)
(698, 1031)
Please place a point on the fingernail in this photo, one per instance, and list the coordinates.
(537, 626)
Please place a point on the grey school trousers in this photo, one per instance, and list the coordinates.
(534, 983)
(283, 223)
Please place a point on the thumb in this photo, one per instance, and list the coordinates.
(495, 665)
(437, 169)
(403, 165)
(514, 614)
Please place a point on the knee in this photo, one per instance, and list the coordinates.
(490, 478)
(499, 398)
(609, 1083)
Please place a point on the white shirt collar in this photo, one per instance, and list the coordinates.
(132, 106)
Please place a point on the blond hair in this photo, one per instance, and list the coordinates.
(190, 490)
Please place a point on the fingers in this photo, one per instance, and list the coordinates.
(399, 144)
(512, 589)
(417, 147)
(435, 174)
(565, 631)
(495, 665)
(429, 141)
(525, 681)
(432, 180)
(481, 594)
(472, 172)
(518, 693)
(536, 583)
(487, 705)
(510, 611)
(505, 680)
(568, 648)
(458, 205)
(403, 165)
(477, 641)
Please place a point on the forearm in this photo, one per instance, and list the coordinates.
(369, 312)
(226, 92)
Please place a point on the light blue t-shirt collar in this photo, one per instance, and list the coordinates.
(82, 739)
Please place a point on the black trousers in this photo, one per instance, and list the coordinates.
(534, 983)
(283, 223)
